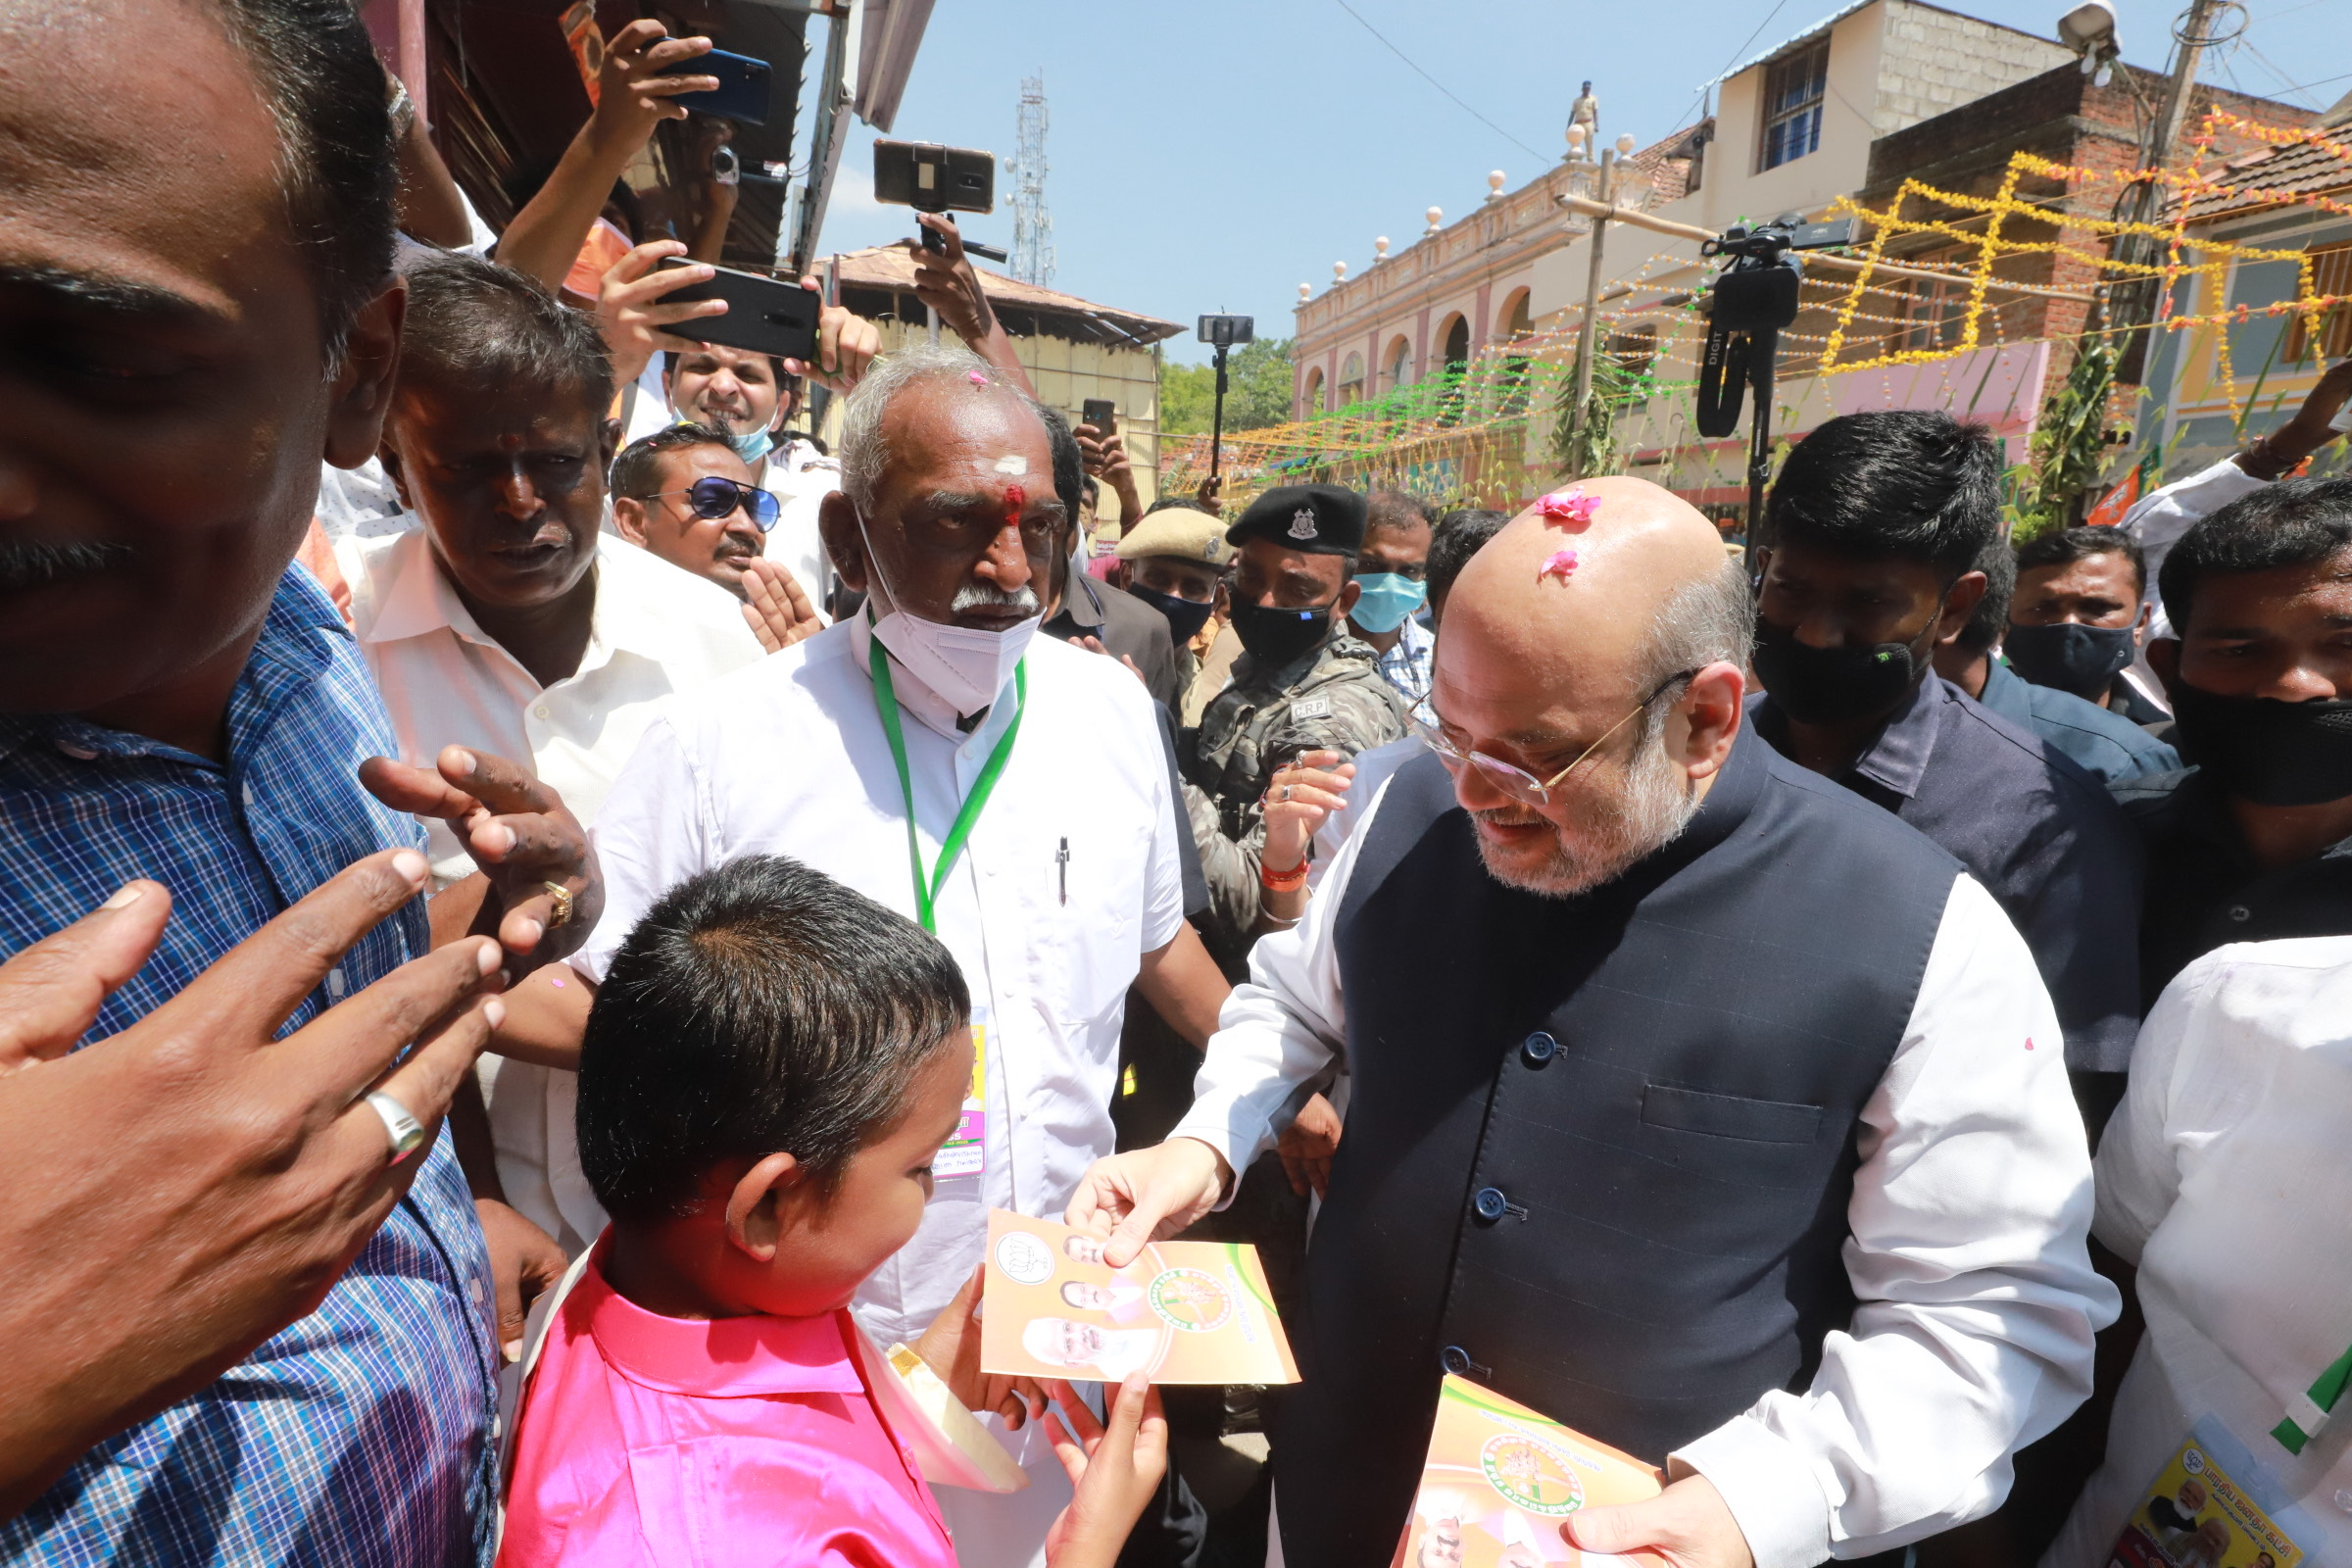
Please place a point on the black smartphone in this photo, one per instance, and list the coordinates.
(1103, 415)
(931, 179)
(742, 87)
(765, 315)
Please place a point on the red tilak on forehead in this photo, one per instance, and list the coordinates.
(1015, 498)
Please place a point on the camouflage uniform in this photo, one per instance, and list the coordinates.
(1331, 697)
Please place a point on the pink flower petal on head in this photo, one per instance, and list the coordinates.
(976, 378)
(1561, 564)
(1570, 505)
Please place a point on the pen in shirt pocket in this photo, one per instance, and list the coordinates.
(1061, 865)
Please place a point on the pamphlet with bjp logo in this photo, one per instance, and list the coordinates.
(1182, 1312)
(1501, 1478)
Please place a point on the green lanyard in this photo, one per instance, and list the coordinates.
(885, 697)
(2307, 1415)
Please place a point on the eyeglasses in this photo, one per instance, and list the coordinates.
(712, 497)
(1516, 782)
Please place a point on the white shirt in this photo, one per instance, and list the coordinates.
(1373, 768)
(2223, 1177)
(1978, 1302)
(799, 477)
(790, 759)
(2159, 519)
(655, 630)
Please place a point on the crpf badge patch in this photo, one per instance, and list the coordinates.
(1303, 523)
(1310, 708)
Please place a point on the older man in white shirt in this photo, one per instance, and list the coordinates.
(2223, 1181)
(1005, 790)
(508, 624)
(1694, 1102)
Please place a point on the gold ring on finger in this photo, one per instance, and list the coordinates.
(563, 896)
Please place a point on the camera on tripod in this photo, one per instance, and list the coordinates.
(1753, 298)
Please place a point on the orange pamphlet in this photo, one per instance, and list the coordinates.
(1499, 1480)
(1182, 1312)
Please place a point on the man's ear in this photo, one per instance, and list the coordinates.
(2164, 658)
(755, 1205)
(361, 392)
(2147, 618)
(1349, 591)
(609, 442)
(629, 519)
(1960, 602)
(1707, 719)
(837, 523)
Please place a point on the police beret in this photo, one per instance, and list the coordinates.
(1185, 532)
(1320, 519)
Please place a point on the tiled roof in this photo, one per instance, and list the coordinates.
(889, 266)
(2271, 175)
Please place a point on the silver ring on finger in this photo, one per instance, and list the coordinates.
(404, 1131)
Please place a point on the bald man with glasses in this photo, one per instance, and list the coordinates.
(1662, 1051)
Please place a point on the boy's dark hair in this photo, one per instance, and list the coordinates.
(475, 323)
(1397, 508)
(1165, 501)
(2069, 545)
(1460, 535)
(760, 1008)
(637, 472)
(2299, 522)
(319, 75)
(1984, 628)
(1906, 484)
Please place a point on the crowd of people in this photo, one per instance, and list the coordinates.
(544, 906)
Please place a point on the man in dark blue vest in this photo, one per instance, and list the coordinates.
(1697, 1103)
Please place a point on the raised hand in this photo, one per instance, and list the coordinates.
(214, 1180)
(542, 877)
(631, 313)
(1116, 1468)
(775, 608)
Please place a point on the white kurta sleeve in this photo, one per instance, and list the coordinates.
(2159, 519)
(656, 830)
(2139, 1164)
(1278, 1029)
(1164, 857)
(1976, 1303)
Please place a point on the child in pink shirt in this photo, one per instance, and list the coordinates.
(768, 1071)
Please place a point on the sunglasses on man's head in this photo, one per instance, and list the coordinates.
(712, 496)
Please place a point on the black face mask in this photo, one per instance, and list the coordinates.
(1186, 617)
(1831, 685)
(2081, 660)
(1275, 637)
(2265, 750)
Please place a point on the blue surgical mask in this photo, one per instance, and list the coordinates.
(754, 445)
(1387, 598)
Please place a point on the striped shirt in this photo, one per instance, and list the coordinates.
(360, 1435)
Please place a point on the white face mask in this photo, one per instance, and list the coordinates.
(965, 666)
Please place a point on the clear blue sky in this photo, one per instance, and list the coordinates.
(1213, 155)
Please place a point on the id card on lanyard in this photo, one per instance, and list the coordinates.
(965, 1153)
(2213, 1506)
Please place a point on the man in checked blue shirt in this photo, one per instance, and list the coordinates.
(196, 306)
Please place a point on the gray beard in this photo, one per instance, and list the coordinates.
(1657, 804)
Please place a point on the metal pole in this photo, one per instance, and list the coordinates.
(1586, 332)
(1216, 425)
(832, 115)
(2135, 304)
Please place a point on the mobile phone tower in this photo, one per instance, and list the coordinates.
(1032, 223)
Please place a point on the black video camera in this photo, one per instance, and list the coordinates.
(1753, 298)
